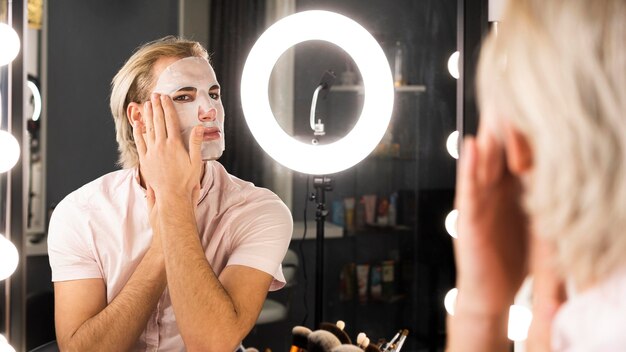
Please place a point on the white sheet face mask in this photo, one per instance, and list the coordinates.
(188, 82)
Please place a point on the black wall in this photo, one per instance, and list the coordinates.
(88, 41)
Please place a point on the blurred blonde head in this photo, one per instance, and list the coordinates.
(556, 72)
(134, 82)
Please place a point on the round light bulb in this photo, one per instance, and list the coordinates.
(9, 258)
(10, 151)
(370, 60)
(5, 347)
(10, 43)
(520, 318)
(453, 65)
(452, 144)
(450, 301)
(451, 223)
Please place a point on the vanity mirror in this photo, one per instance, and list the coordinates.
(387, 213)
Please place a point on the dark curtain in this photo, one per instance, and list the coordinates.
(234, 28)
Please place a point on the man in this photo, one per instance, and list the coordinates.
(541, 187)
(171, 253)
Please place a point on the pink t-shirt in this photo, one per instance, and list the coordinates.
(102, 231)
(594, 320)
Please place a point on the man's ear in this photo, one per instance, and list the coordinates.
(518, 151)
(134, 111)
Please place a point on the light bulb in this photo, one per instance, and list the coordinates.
(520, 318)
(5, 347)
(10, 151)
(9, 257)
(453, 65)
(452, 144)
(450, 301)
(10, 43)
(451, 223)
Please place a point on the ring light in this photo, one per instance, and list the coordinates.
(378, 92)
(36, 99)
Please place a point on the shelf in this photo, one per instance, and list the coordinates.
(330, 230)
(375, 230)
(415, 89)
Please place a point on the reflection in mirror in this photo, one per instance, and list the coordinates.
(3, 124)
(403, 261)
(10, 177)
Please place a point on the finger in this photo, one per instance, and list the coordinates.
(492, 161)
(147, 108)
(140, 143)
(160, 134)
(195, 146)
(172, 124)
(466, 175)
(150, 196)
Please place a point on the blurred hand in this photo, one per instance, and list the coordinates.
(492, 246)
(548, 294)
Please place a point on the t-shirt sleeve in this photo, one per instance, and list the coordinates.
(260, 237)
(71, 255)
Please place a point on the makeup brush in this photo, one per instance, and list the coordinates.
(299, 338)
(388, 346)
(322, 341)
(403, 336)
(362, 340)
(347, 348)
(338, 332)
(341, 324)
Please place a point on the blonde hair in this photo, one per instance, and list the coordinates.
(556, 70)
(134, 82)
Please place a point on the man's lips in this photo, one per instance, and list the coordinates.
(211, 134)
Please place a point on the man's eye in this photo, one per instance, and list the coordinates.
(183, 98)
(214, 96)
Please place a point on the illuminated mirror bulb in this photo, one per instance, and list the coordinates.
(453, 65)
(10, 43)
(451, 223)
(10, 151)
(520, 318)
(450, 301)
(4, 345)
(452, 144)
(9, 257)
